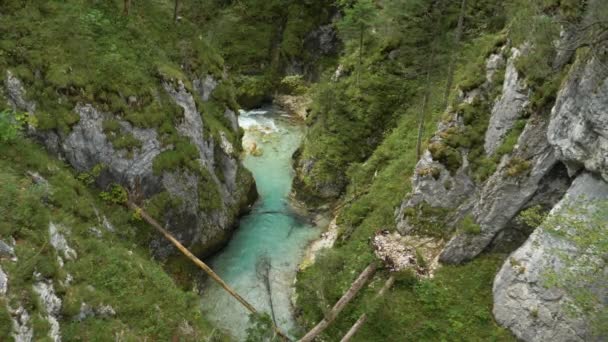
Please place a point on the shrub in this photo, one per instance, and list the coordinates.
(517, 166)
(446, 155)
(292, 85)
(406, 278)
(116, 195)
(468, 225)
(433, 171)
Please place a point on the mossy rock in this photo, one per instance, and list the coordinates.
(446, 155)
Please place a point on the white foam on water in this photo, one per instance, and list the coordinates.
(255, 120)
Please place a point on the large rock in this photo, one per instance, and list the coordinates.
(504, 195)
(435, 185)
(509, 106)
(87, 146)
(522, 303)
(579, 121)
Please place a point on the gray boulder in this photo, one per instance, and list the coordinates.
(509, 106)
(578, 128)
(522, 303)
(504, 195)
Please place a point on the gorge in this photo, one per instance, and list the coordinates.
(398, 170)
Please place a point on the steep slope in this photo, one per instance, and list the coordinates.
(525, 116)
(135, 100)
(264, 40)
(73, 267)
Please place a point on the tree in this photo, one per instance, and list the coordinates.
(434, 16)
(457, 38)
(175, 10)
(127, 7)
(359, 16)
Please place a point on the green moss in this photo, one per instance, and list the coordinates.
(517, 166)
(468, 225)
(428, 220)
(209, 196)
(446, 155)
(110, 126)
(292, 85)
(433, 171)
(183, 155)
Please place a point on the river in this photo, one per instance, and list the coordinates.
(271, 231)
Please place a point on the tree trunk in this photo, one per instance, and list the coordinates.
(175, 10)
(363, 318)
(427, 91)
(356, 286)
(360, 53)
(127, 7)
(353, 330)
(425, 101)
(198, 262)
(452, 62)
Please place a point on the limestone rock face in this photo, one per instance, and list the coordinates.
(434, 185)
(509, 106)
(530, 310)
(579, 121)
(87, 146)
(504, 195)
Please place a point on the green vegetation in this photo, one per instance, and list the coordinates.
(370, 131)
(115, 62)
(517, 166)
(183, 155)
(468, 225)
(428, 220)
(455, 305)
(260, 39)
(111, 268)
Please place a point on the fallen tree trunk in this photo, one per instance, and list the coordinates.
(363, 318)
(198, 262)
(356, 286)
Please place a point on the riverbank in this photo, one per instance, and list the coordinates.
(272, 236)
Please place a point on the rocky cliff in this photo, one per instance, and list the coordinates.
(207, 193)
(553, 158)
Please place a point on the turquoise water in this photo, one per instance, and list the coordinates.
(269, 230)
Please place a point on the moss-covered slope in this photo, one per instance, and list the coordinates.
(98, 279)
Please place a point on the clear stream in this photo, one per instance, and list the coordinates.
(270, 231)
